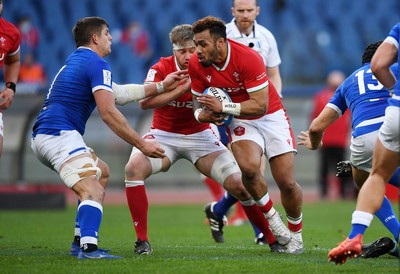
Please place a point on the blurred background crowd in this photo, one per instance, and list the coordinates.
(314, 38)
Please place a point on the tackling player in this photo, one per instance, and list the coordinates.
(386, 156)
(81, 85)
(10, 62)
(182, 137)
(367, 100)
(260, 125)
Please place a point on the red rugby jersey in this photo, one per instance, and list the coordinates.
(177, 116)
(243, 72)
(10, 40)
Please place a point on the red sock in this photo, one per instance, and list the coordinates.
(295, 224)
(215, 188)
(267, 206)
(138, 206)
(257, 217)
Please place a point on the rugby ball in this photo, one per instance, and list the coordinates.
(223, 97)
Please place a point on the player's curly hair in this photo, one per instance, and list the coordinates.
(369, 51)
(215, 25)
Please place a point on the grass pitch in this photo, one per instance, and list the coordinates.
(38, 242)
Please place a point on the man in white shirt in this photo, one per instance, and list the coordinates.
(245, 29)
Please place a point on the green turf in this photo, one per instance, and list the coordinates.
(38, 242)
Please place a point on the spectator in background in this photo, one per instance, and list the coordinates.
(135, 36)
(32, 72)
(9, 62)
(336, 137)
(29, 34)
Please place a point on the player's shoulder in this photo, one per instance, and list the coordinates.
(9, 28)
(165, 64)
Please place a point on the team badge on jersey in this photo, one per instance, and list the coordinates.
(107, 77)
(239, 131)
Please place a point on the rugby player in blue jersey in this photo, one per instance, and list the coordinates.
(81, 85)
(386, 157)
(367, 100)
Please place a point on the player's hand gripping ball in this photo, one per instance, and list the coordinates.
(223, 97)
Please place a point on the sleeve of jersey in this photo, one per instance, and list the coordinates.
(16, 42)
(155, 74)
(99, 73)
(337, 101)
(254, 73)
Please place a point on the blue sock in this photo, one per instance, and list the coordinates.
(395, 180)
(224, 204)
(388, 218)
(357, 229)
(90, 214)
(255, 228)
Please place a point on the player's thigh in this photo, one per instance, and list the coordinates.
(248, 155)
(385, 161)
(282, 168)
(204, 164)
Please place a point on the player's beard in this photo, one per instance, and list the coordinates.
(206, 62)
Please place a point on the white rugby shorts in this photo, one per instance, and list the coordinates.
(190, 147)
(361, 150)
(53, 151)
(389, 133)
(272, 132)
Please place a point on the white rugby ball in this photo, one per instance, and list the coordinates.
(223, 97)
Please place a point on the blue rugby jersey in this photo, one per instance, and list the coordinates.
(365, 97)
(70, 99)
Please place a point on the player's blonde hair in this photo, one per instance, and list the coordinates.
(182, 35)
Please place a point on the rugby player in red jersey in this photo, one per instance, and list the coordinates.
(260, 125)
(10, 40)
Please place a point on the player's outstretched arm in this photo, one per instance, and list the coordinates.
(120, 126)
(312, 138)
(125, 94)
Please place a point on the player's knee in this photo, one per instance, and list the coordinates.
(132, 168)
(78, 169)
(234, 185)
(289, 187)
(92, 190)
(141, 166)
(223, 167)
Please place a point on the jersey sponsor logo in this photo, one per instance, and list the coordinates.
(151, 75)
(208, 78)
(239, 131)
(188, 104)
(107, 77)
